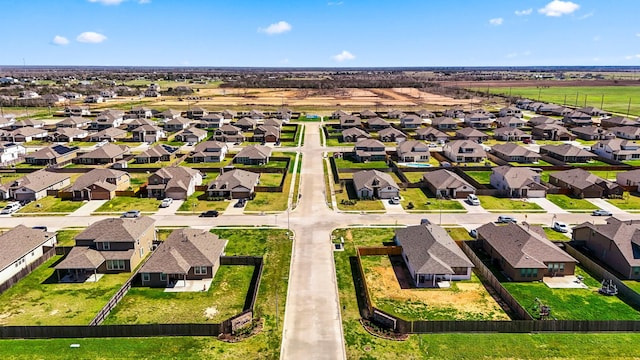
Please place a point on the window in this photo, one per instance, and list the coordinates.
(106, 246)
(163, 277)
(115, 265)
(200, 270)
(146, 277)
(636, 270)
(529, 273)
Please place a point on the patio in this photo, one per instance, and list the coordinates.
(564, 282)
(189, 285)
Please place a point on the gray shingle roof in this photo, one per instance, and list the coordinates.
(19, 242)
(373, 178)
(233, 179)
(445, 179)
(117, 229)
(97, 176)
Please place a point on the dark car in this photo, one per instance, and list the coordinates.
(210, 213)
(240, 203)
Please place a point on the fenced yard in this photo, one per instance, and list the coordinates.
(422, 202)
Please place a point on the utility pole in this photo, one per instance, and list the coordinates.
(629, 107)
(576, 104)
(602, 102)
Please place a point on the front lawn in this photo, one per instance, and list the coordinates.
(224, 299)
(125, 203)
(348, 201)
(572, 304)
(198, 203)
(628, 202)
(51, 205)
(495, 204)
(39, 299)
(422, 202)
(571, 204)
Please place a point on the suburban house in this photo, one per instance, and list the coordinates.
(447, 184)
(377, 123)
(256, 114)
(567, 153)
(11, 152)
(367, 114)
(176, 182)
(71, 95)
(479, 120)
(211, 121)
(432, 257)
(34, 186)
(628, 178)
(54, 99)
(21, 246)
(592, 133)
(514, 153)
(617, 149)
(52, 155)
(523, 103)
(77, 110)
(350, 121)
(444, 123)
(106, 154)
(169, 114)
(395, 114)
(577, 118)
(553, 132)
(369, 150)
(156, 154)
(33, 123)
(510, 111)
(141, 113)
(234, 184)
(517, 182)
(339, 114)
(209, 151)
(108, 94)
(186, 254)
(584, 184)
(471, 134)
(626, 132)
(273, 122)
(228, 133)
(431, 134)
(523, 252)
(93, 99)
(410, 122)
(68, 134)
(246, 124)
(266, 133)
(354, 134)
(253, 155)
(196, 113)
(456, 113)
(6, 121)
(24, 134)
(616, 244)
(73, 122)
(373, 184)
(136, 123)
(618, 121)
(97, 184)
(510, 134)
(510, 122)
(553, 109)
(464, 151)
(413, 151)
(110, 134)
(425, 114)
(176, 124)
(107, 119)
(391, 134)
(592, 111)
(192, 135)
(148, 133)
(107, 246)
(542, 120)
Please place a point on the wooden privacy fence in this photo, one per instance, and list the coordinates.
(523, 326)
(47, 254)
(83, 331)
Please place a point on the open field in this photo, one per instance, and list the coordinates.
(465, 300)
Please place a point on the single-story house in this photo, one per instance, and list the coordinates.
(553, 132)
(234, 184)
(618, 121)
(515, 153)
(471, 134)
(97, 184)
(377, 123)
(628, 178)
(626, 132)
(510, 134)
(176, 124)
(228, 133)
(567, 153)
(209, 151)
(371, 184)
(584, 184)
(34, 186)
(68, 134)
(577, 118)
(447, 184)
(617, 149)
(21, 246)
(431, 134)
(592, 133)
(110, 134)
(391, 134)
(444, 123)
(73, 122)
(413, 151)
(410, 122)
(176, 182)
(354, 134)
(105, 154)
(253, 155)
(510, 122)
(52, 155)
(350, 121)
(156, 154)
(192, 134)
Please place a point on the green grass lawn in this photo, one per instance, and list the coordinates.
(39, 300)
(198, 202)
(572, 304)
(50, 204)
(272, 201)
(571, 204)
(422, 202)
(138, 179)
(224, 299)
(632, 162)
(360, 205)
(633, 284)
(482, 177)
(539, 163)
(414, 176)
(608, 175)
(495, 204)
(628, 202)
(66, 237)
(154, 165)
(212, 165)
(270, 179)
(125, 203)
(458, 233)
(554, 235)
(590, 163)
(347, 164)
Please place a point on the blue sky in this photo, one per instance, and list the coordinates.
(308, 33)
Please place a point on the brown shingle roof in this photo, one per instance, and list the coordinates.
(97, 176)
(81, 257)
(117, 229)
(19, 242)
(233, 179)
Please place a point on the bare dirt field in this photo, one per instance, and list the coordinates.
(539, 83)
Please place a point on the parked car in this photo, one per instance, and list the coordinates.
(131, 214)
(473, 233)
(43, 228)
(473, 200)
(601, 212)
(240, 203)
(10, 208)
(166, 202)
(394, 200)
(505, 219)
(425, 221)
(210, 213)
(560, 227)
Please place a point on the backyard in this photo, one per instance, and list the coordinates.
(421, 202)
(482, 177)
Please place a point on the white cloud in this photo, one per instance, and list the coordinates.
(632, 57)
(284, 61)
(107, 2)
(638, 34)
(343, 56)
(586, 16)
(276, 28)
(558, 8)
(496, 21)
(60, 40)
(91, 37)
(524, 12)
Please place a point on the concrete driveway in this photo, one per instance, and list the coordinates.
(605, 205)
(472, 209)
(88, 208)
(171, 209)
(392, 208)
(548, 206)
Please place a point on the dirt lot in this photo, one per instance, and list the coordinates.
(540, 83)
(389, 287)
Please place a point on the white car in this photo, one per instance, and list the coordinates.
(473, 200)
(10, 208)
(394, 200)
(560, 227)
(166, 202)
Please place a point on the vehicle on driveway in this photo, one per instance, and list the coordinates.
(240, 203)
(473, 200)
(560, 227)
(394, 200)
(166, 202)
(601, 212)
(425, 221)
(10, 208)
(131, 214)
(505, 219)
(473, 233)
(210, 213)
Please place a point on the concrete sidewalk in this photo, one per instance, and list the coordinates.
(88, 208)
(605, 205)
(550, 207)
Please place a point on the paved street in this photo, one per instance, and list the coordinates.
(312, 326)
